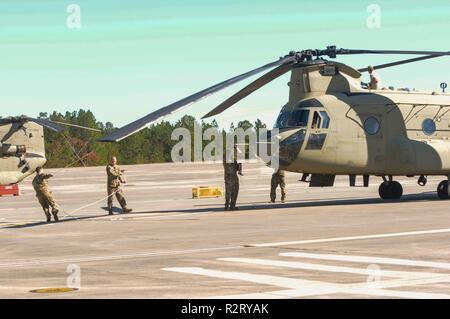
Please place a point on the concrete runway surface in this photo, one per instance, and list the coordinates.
(338, 242)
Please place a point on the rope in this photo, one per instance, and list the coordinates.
(77, 154)
(79, 159)
(86, 206)
(72, 163)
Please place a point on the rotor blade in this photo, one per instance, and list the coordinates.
(346, 51)
(388, 65)
(249, 89)
(78, 126)
(141, 123)
(48, 124)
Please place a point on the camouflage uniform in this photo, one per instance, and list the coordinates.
(44, 196)
(278, 178)
(114, 181)
(231, 183)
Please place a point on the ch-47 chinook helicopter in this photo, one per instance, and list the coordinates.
(333, 125)
(22, 147)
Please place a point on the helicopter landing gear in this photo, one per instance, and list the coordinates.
(390, 189)
(442, 190)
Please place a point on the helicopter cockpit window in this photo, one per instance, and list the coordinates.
(316, 141)
(299, 118)
(309, 103)
(316, 121)
(428, 126)
(296, 118)
(282, 119)
(326, 119)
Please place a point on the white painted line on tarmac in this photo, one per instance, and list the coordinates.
(296, 293)
(80, 259)
(307, 288)
(398, 294)
(370, 260)
(328, 268)
(336, 239)
(284, 282)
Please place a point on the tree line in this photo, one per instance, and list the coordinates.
(79, 147)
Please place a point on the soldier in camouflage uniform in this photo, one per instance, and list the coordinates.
(43, 194)
(115, 180)
(231, 171)
(278, 178)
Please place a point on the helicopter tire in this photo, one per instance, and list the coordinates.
(385, 191)
(390, 190)
(442, 190)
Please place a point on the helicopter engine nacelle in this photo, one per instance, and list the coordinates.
(13, 150)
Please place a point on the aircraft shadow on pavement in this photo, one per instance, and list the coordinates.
(246, 206)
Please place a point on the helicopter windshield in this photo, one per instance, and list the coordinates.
(295, 118)
(299, 116)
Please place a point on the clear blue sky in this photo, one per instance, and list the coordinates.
(132, 57)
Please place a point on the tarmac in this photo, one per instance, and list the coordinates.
(333, 242)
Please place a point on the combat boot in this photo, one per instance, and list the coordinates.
(55, 212)
(49, 217)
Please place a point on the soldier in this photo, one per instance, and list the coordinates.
(231, 171)
(278, 178)
(375, 82)
(43, 194)
(115, 179)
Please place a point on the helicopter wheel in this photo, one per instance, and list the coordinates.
(442, 190)
(390, 190)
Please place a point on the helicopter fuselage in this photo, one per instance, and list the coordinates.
(22, 151)
(332, 126)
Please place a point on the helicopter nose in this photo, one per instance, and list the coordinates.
(290, 147)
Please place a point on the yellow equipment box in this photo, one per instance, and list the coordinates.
(206, 192)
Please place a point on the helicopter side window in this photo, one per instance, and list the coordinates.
(428, 126)
(316, 121)
(371, 125)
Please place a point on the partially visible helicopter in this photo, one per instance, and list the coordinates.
(333, 125)
(22, 147)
